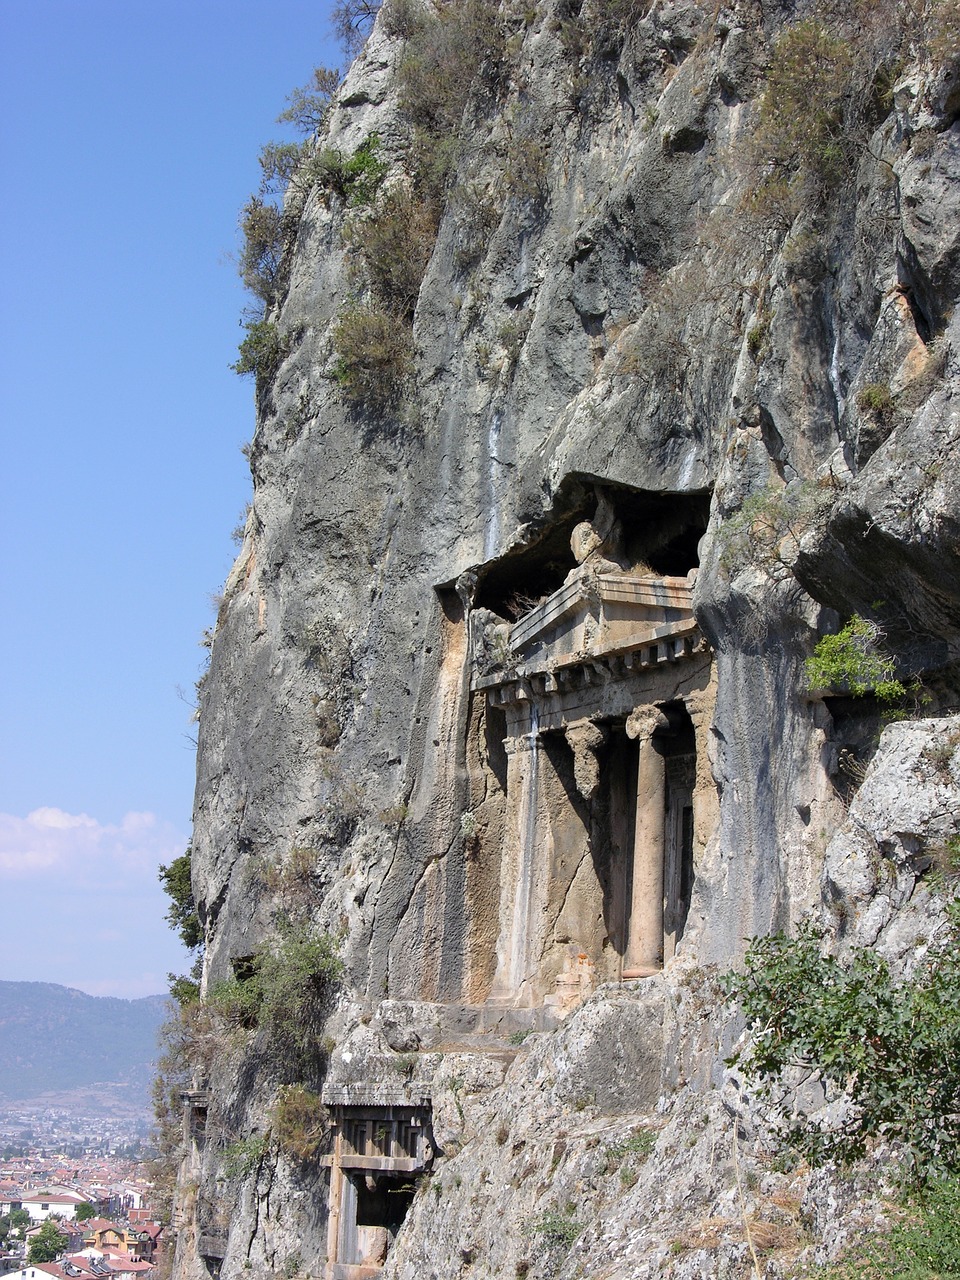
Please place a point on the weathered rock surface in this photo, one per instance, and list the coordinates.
(600, 323)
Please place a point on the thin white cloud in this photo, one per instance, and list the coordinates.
(50, 840)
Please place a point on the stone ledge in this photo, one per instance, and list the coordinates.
(377, 1094)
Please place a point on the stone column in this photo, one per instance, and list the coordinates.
(336, 1196)
(517, 866)
(644, 951)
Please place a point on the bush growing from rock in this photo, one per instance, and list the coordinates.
(854, 661)
(395, 245)
(889, 1047)
(261, 351)
(374, 350)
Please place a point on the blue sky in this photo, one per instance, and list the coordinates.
(129, 133)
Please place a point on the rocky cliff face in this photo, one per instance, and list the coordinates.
(507, 690)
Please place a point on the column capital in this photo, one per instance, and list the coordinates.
(585, 739)
(643, 722)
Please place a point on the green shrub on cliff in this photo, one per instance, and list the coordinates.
(261, 351)
(284, 990)
(770, 524)
(888, 1048)
(307, 106)
(262, 225)
(854, 661)
(300, 1122)
(242, 1157)
(183, 918)
(395, 245)
(374, 350)
(444, 51)
(356, 178)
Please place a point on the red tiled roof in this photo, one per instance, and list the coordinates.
(49, 1197)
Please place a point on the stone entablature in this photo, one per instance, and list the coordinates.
(571, 690)
(377, 1094)
(596, 614)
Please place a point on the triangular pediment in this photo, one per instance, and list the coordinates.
(598, 614)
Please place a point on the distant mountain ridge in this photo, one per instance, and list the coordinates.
(55, 1038)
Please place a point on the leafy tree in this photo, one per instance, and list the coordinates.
(183, 917)
(47, 1244)
(307, 106)
(263, 228)
(182, 912)
(352, 21)
(85, 1211)
(890, 1048)
(279, 162)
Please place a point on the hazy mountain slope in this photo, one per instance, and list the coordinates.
(54, 1037)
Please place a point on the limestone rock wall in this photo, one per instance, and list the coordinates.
(600, 321)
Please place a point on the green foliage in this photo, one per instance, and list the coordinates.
(285, 992)
(444, 52)
(558, 1228)
(640, 1143)
(189, 1041)
(355, 178)
(923, 1244)
(279, 163)
(854, 661)
(629, 1155)
(758, 334)
(876, 398)
(299, 1122)
(85, 1211)
(236, 1001)
(183, 918)
(11, 1222)
(801, 131)
(441, 57)
(47, 1244)
(262, 225)
(892, 1049)
(241, 1158)
(261, 351)
(185, 988)
(395, 245)
(182, 914)
(759, 529)
(292, 1264)
(374, 350)
(307, 106)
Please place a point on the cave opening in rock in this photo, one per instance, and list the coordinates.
(652, 533)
